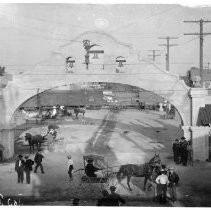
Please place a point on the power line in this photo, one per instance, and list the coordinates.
(201, 39)
(168, 45)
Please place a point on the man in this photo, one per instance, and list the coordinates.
(176, 151)
(70, 166)
(19, 168)
(90, 169)
(162, 182)
(114, 198)
(104, 201)
(38, 160)
(28, 168)
(184, 151)
(155, 174)
(173, 181)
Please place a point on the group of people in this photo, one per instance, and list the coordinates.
(182, 150)
(111, 199)
(164, 180)
(26, 165)
(107, 199)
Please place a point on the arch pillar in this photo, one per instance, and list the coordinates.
(199, 134)
(6, 129)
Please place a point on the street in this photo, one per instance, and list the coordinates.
(129, 136)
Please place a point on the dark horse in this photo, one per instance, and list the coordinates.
(34, 140)
(143, 170)
(79, 110)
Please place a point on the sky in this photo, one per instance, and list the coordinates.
(31, 32)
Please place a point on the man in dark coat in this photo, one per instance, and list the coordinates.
(173, 182)
(176, 151)
(90, 169)
(114, 198)
(19, 168)
(104, 201)
(184, 151)
(28, 168)
(38, 160)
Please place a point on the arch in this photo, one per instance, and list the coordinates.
(178, 96)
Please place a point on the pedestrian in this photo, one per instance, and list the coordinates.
(105, 200)
(162, 182)
(114, 198)
(19, 168)
(155, 174)
(38, 160)
(70, 166)
(184, 151)
(28, 168)
(176, 151)
(173, 182)
(76, 202)
(190, 153)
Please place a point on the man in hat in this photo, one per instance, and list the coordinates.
(90, 169)
(173, 181)
(38, 160)
(176, 151)
(162, 182)
(104, 201)
(19, 168)
(28, 168)
(184, 151)
(114, 198)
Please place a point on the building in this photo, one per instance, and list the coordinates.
(194, 78)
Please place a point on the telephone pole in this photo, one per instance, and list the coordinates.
(168, 45)
(154, 55)
(201, 39)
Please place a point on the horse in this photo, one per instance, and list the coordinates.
(34, 140)
(79, 110)
(28, 115)
(143, 170)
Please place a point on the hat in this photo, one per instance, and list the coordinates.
(20, 156)
(112, 188)
(183, 138)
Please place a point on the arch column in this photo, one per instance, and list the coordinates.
(199, 134)
(6, 130)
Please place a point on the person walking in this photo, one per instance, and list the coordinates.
(19, 168)
(70, 166)
(28, 168)
(173, 182)
(184, 151)
(114, 198)
(38, 160)
(162, 182)
(176, 151)
(190, 153)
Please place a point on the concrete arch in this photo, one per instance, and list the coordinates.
(52, 73)
(174, 91)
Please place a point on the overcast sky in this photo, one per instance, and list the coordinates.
(31, 32)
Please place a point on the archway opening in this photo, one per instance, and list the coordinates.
(123, 123)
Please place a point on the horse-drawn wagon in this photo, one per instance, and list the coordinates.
(95, 171)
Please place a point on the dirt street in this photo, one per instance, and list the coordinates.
(130, 136)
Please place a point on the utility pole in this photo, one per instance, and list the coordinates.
(201, 39)
(168, 45)
(154, 55)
